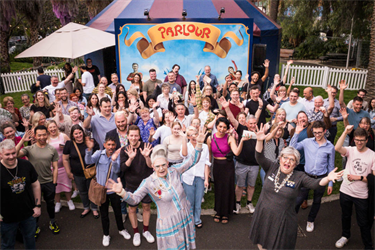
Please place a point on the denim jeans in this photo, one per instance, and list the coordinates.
(262, 175)
(9, 232)
(83, 186)
(123, 203)
(194, 194)
(303, 195)
(361, 209)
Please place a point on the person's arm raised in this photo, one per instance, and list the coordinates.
(230, 115)
(343, 86)
(340, 142)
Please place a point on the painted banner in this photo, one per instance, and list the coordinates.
(191, 45)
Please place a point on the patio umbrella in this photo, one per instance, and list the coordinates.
(71, 41)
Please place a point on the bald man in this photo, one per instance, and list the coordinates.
(308, 100)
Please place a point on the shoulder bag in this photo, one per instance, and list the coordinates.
(97, 192)
(90, 170)
(229, 155)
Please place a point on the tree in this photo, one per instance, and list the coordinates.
(65, 10)
(370, 84)
(95, 6)
(274, 9)
(7, 11)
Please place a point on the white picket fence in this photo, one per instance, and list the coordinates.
(21, 81)
(315, 76)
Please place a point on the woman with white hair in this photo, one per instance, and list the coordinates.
(175, 222)
(274, 224)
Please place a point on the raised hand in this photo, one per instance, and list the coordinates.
(261, 133)
(278, 99)
(152, 131)
(181, 133)
(230, 130)
(89, 143)
(293, 80)
(219, 88)
(223, 102)
(240, 105)
(328, 89)
(192, 100)
(343, 85)
(130, 151)
(74, 70)
(172, 118)
(25, 123)
(28, 135)
(299, 127)
(58, 108)
(323, 110)
(183, 129)
(112, 186)
(333, 176)
(116, 154)
(289, 62)
(349, 129)
(147, 150)
(201, 135)
(266, 63)
(90, 111)
(344, 113)
(133, 107)
(156, 104)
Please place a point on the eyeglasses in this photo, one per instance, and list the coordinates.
(291, 160)
(162, 165)
(361, 141)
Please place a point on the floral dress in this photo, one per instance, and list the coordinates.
(145, 130)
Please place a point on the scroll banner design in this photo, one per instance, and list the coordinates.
(188, 30)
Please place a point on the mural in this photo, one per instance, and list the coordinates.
(192, 45)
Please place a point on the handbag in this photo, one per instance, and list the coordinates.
(97, 192)
(229, 155)
(89, 171)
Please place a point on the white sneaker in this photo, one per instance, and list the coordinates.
(341, 242)
(136, 239)
(75, 194)
(238, 208)
(71, 205)
(124, 217)
(149, 237)
(125, 233)
(139, 217)
(106, 239)
(57, 207)
(310, 227)
(202, 199)
(251, 207)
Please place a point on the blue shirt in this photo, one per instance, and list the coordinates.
(214, 83)
(102, 162)
(100, 126)
(320, 160)
(292, 111)
(354, 118)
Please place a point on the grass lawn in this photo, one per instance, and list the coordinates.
(209, 197)
(16, 66)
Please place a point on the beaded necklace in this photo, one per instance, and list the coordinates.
(276, 182)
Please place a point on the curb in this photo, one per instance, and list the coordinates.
(243, 210)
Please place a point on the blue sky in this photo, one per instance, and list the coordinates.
(188, 54)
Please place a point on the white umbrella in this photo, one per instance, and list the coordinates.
(71, 41)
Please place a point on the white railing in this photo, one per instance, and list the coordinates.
(315, 76)
(21, 81)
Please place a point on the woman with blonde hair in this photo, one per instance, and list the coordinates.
(280, 117)
(173, 144)
(133, 97)
(64, 185)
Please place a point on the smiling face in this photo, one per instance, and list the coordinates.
(9, 133)
(242, 119)
(255, 77)
(114, 79)
(74, 115)
(207, 70)
(133, 137)
(40, 97)
(238, 75)
(176, 69)
(364, 124)
(77, 92)
(121, 122)
(42, 120)
(153, 75)
(318, 134)
(372, 104)
(171, 77)
(208, 91)
(145, 115)
(287, 163)
(9, 156)
(137, 78)
(94, 100)
(222, 128)
(279, 133)
(360, 142)
(25, 100)
(254, 94)
(252, 124)
(293, 97)
(357, 106)
(106, 109)
(176, 130)
(160, 167)
(318, 102)
(41, 136)
(206, 105)
(196, 123)
(281, 116)
(110, 147)
(101, 89)
(78, 135)
(52, 129)
(302, 117)
(64, 95)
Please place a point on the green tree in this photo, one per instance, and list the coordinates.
(7, 11)
(370, 84)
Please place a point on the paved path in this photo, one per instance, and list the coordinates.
(77, 233)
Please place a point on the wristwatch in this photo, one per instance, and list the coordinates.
(40, 205)
(361, 178)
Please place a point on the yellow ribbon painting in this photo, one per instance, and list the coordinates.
(179, 31)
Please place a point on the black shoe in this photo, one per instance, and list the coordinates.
(84, 215)
(54, 228)
(37, 232)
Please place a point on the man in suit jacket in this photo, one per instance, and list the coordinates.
(120, 132)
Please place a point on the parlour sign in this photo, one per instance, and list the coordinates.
(178, 31)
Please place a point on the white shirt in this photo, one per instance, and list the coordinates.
(162, 132)
(160, 112)
(163, 101)
(309, 105)
(51, 90)
(198, 169)
(88, 80)
(203, 115)
(186, 121)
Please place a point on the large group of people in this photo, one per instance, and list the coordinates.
(169, 141)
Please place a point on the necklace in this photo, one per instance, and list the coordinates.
(14, 176)
(276, 182)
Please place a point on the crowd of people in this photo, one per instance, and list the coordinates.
(168, 142)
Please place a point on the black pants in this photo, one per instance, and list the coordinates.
(332, 134)
(303, 195)
(361, 207)
(48, 192)
(116, 206)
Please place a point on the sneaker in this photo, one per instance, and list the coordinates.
(106, 239)
(37, 232)
(139, 217)
(310, 227)
(202, 199)
(75, 194)
(125, 233)
(57, 207)
(149, 237)
(137, 239)
(71, 205)
(124, 217)
(238, 208)
(341, 242)
(251, 207)
(54, 228)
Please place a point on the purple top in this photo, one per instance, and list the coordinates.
(223, 145)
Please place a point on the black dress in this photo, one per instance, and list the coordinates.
(274, 224)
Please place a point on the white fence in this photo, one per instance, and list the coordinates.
(314, 76)
(21, 81)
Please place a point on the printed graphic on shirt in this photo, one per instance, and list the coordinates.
(360, 166)
(17, 184)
